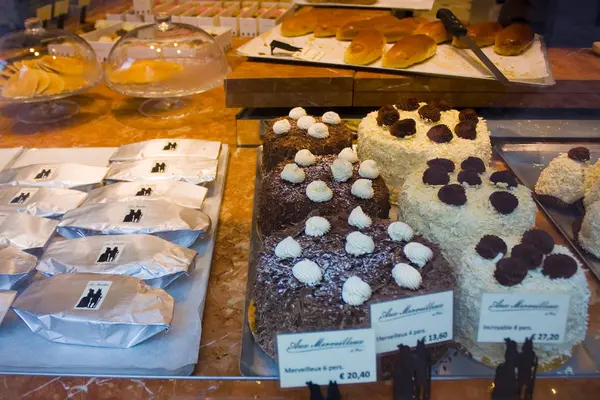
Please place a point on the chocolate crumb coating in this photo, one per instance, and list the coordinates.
(443, 163)
(453, 195)
(470, 177)
(490, 246)
(387, 115)
(283, 203)
(559, 266)
(468, 114)
(504, 177)
(403, 128)
(435, 176)
(430, 113)
(510, 271)
(279, 148)
(504, 202)
(466, 130)
(285, 305)
(580, 154)
(540, 239)
(474, 163)
(531, 256)
(408, 104)
(440, 134)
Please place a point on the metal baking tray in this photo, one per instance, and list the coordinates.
(527, 162)
(254, 362)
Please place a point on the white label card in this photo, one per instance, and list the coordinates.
(110, 253)
(93, 295)
(409, 320)
(319, 357)
(309, 53)
(517, 316)
(142, 6)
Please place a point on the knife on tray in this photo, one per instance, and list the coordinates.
(456, 28)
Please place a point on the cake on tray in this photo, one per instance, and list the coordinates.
(325, 185)
(528, 264)
(403, 137)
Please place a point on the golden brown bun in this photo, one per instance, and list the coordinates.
(306, 21)
(435, 30)
(327, 27)
(410, 50)
(367, 47)
(514, 39)
(393, 28)
(402, 28)
(482, 33)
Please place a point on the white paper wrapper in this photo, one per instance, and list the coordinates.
(187, 169)
(6, 299)
(15, 266)
(64, 176)
(171, 222)
(95, 309)
(39, 201)
(24, 231)
(165, 148)
(180, 193)
(146, 257)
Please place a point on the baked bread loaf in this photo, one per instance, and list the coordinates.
(328, 27)
(408, 51)
(435, 30)
(514, 39)
(482, 33)
(393, 28)
(306, 22)
(367, 47)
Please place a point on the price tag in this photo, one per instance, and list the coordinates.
(61, 7)
(309, 53)
(142, 6)
(6, 299)
(44, 13)
(519, 316)
(406, 321)
(320, 357)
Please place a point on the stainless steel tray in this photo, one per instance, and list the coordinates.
(254, 362)
(527, 162)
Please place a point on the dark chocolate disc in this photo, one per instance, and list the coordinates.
(454, 195)
(530, 255)
(580, 154)
(490, 246)
(540, 239)
(403, 128)
(435, 176)
(466, 130)
(440, 134)
(510, 271)
(470, 177)
(504, 202)
(468, 114)
(474, 163)
(387, 115)
(430, 113)
(504, 177)
(444, 163)
(443, 105)
(408, 104)
(559, 266)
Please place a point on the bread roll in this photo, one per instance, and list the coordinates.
(305, 22)
(435, 30)
(482, 33)
(392, 27)
(328, 27)
(514, 39)
(408, 51)
(402, 28)
(367, 47)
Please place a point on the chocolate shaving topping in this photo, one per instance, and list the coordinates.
(466, 130)
(474, 163)
(504, 177)
(470, 177)
(510, 271)
(504, 202)
(430, 113)
(530, 255)
(387, 115)
(581, 154)
(408, 104)
(444, 163)
(540, 239)
(443, 105)
(440, 134)
(454, 195)
(403, 127)
(490, 246)
(559, 266)
(468, 114)
(435, 176)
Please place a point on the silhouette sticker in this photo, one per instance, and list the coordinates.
(23, 196)
(44, 173)
(170, 146)
(110, 253)
(93, 295)
(144, 191)
(134, 216)
(159, 168)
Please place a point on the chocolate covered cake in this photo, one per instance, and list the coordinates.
(323, 274)
(324, 185)
(320, 135)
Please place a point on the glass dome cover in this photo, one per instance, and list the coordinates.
(38, 64)
(165, 59)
